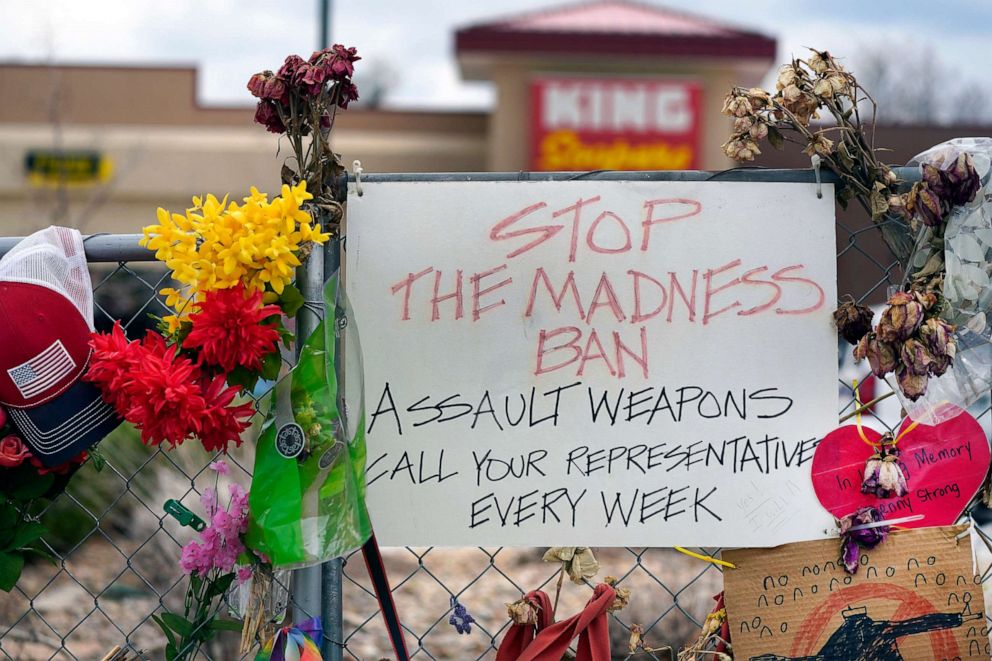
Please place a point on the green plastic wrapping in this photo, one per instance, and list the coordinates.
(311, 508)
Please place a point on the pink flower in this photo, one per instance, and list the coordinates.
(13, 452)
(219, 545)
(220, 467)
(244, 573)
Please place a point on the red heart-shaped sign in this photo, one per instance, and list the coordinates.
(945, 466)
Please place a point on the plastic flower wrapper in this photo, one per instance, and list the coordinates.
(966, 376)
(311, 507)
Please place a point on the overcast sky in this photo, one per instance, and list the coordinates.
(229, 40)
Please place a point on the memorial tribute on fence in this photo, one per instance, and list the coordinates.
(595, 363)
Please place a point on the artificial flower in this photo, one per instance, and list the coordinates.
(229, 329)
(219, 544)
(220, 467)
(217, 245)
(13, 452)
(164, 394)
(61, 469)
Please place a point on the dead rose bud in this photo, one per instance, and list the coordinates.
(759, 131)
(737, 105)
(927, 299)
(522, 612)
(791, 94)
(897, 205)
(743, 124)
(622, 599)
(915, 356)
(882, 356)
(741, 149)
(963, 180)
(823, 88)
(936, 180)
(927, 205)
(786, 77)
(820, 144)
(939, 339)
(913, 386)
(267, 115)
(759, 98)
(901, 318)
(266, 85)
(636, 636)
(820, 61)
(853, 321)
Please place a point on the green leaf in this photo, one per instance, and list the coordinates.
(220, 586)
(11, 565)
(291, 300)
(226, 625)
(775, 138)
(271, 366)
(169, 633)
(97, 459)
(27, 532)
(179, 624)
(33, 488)
(242, 376)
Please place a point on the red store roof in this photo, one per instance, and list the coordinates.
(614, 27)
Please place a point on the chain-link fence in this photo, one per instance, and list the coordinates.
(117, 551)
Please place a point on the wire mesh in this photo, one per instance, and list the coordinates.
(117, 551)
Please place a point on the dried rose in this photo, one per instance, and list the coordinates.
(936, 180)
(578, 561)
(897, 205)
(820, 144)
(928, 206)
(820, 61)
(850, 554)
(853, 321)
(759, 98)
(743, 124)
(759, 131)
(963, 180)
(266, 85)
(786, 77)
(823, 88)
(901, 318)
(741, 149)
(913, 386)
(736, 105)
(791, 94)
(927, 299)
(915, 356)
(522, 611)
(290, 71)
(346, 93)
(636, 638)
(267, 115)
(939, 339)
(882, 356)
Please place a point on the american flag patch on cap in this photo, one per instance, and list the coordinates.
(43, 371)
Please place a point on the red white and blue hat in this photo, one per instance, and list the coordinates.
(46, 317)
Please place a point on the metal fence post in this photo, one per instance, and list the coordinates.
(332, 600)
(306, 587)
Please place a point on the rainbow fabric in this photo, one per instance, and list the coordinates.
(294, 643)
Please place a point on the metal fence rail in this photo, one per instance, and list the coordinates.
(118, 552)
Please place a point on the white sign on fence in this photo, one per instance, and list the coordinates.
(594, 363)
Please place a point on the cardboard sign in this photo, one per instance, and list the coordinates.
(915, 597)
(581, 123)
(594, 363)
(944, 465)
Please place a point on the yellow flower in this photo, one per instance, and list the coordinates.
(216, 244)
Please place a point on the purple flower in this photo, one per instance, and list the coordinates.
(460, 618)
(219, 544)
(244, 573)
(867, 538)
(915, 356)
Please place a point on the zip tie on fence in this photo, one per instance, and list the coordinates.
(705, 558)
(356, 165)
(815, 161)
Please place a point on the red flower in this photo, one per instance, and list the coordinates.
(13, 452)
(163, 393)
(229, 331)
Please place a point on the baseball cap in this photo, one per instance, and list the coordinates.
(46, 317)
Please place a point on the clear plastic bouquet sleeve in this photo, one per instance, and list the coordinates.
(967, 289)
